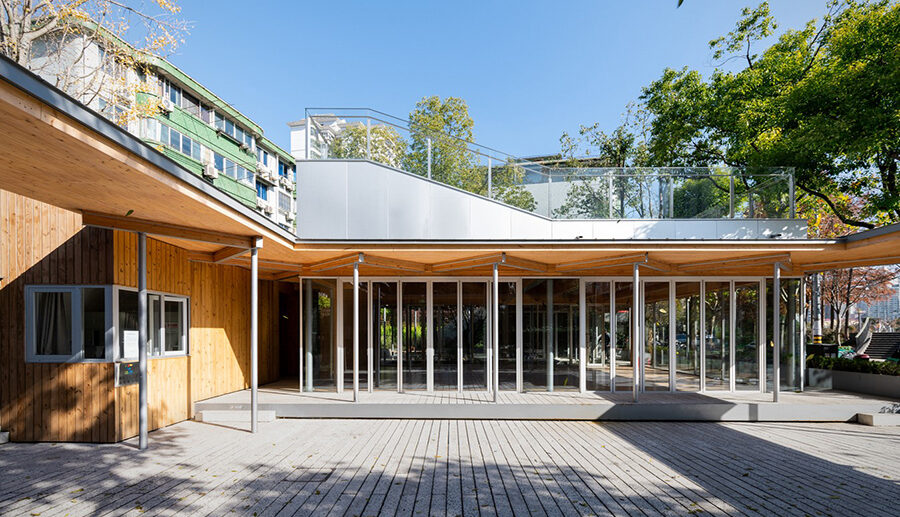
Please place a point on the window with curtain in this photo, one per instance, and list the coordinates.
(53, 323)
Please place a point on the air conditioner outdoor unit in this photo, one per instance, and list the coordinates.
(167, 106)
(209, 171)
(260, 203)
(261, 167)
(289, 216)
(244, 147)
(269, 209)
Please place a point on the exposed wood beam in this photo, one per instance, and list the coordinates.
(200, 256)
(228, 252)
(468, 263)
(265, 264)
(526, 264)
(598, 263)
(784, 258)
(151, 228)
(334, 263)
(405, 265)
(286, 276)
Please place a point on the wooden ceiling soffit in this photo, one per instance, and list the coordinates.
(335, 263)
(600, 263)
(783, 258)
(390, 263)
(227, 253)
(179, 232)
(467, 263)
(840, 264)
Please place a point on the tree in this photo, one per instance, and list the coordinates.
(822, 99)
(384, 145)
(87, 47)
(448, 126)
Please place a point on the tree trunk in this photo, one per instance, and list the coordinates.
(847, 314)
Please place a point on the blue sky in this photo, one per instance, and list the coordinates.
(529, 69)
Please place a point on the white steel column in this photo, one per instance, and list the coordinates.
(300, 340)
(612, 337)
(356, 331)
(429, 336)
(370, 338)
(459, 338)
(732, 320)
(142, 341)
(548, 346)
(520, 384)
(672, 339)
(308, 306)
(703, 335)
(582, 339)
(802, 311)
(399, 337)
(776, 337)
(761, 342)
(636, 341)
(338, 311)
(254, 338)
(495, 330)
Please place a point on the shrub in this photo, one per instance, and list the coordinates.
(853, 365)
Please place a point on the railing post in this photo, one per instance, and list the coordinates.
(671, 197)
(308, 135)
(609, 180)
(731, 195)
(793, 211)
(429, 157)
(490, 179)
(368, 139)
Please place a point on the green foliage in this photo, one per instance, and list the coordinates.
(853, 365)
(823, 99)
(449, 127)
(385, 144)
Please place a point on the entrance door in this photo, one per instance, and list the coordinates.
(624, 293)
(474, 335)
(445, 310)
(385, 334)
(363, 335)
(414, 339)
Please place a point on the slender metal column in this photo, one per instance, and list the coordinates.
(370, 340)
(300, 333)
(254, 339)
(776, 337)
(490, 178)
(308, 307)
(582, 338)
(368, 139)
(308, 135)
(142, 340)
(356, 332)
(550, 336)
(429, 157)
(495, 330)
(636, 342)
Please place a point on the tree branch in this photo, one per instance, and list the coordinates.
(844, 219)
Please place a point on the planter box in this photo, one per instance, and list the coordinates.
(867, 383)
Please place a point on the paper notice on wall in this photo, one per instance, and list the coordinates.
(130, 343)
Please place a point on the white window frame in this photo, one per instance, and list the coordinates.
(185, 321)
(77, 355)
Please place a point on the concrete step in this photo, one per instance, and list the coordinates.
(879, 419)
(232, 415)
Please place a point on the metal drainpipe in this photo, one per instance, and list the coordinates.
(142, 341)
(254, 339)
(776, 338)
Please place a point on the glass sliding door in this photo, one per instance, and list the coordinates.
(566, 342)
(506, 348)
(415, 333)
(319, 328)
(385, 334)
(789, 332)
(746, 335)
(687, 336)
(474, 335)
(534, 334)
(656, 340)
(599, 340)
(717, 338)
(624, 295)
(347, 321)
(444, 308)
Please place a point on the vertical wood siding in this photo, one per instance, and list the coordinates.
(42, 244)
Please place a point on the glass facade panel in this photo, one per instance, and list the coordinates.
(599, 340)
(415, 332)
(445, 308)
(319, 326)
(789, 328)
(534, 334)
(384, 321)
(656, 339)
(93, 326)
(687, 336)
(550, 334)
(507, 329)
(566, 341)
(624, 293)
(174, 326)
(718, 335)
(474, 335)
(746, 335)
(363, 334)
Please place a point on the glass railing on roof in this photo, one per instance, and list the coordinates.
(551, 191)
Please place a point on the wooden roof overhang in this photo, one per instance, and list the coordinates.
(57, 151)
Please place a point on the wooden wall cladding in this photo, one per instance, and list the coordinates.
(43, 244)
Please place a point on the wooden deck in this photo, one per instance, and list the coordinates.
(454, 467)
(288, 402)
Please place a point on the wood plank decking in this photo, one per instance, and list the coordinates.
(455, 467)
